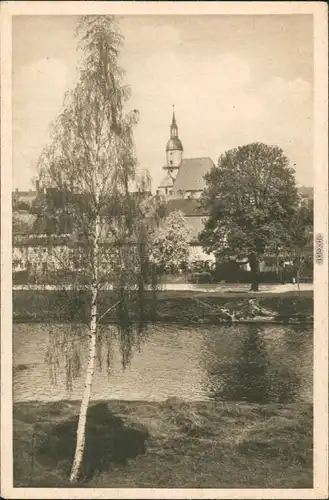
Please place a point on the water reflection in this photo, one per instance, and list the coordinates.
(253, 375)
(238, 362)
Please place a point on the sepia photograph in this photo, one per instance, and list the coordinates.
(164, 251)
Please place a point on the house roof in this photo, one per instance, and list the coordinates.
(194, 224)
(306, 191)
(189, 207)
(191, 174)
(166, 182)
(25, 194)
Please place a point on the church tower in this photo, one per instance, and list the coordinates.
(174, 156)
(174, 147)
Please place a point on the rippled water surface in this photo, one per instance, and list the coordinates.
(241, 362)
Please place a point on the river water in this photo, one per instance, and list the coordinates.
(253, 363)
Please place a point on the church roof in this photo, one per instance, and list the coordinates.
(174, 144)
(173, 122)
(191, 174)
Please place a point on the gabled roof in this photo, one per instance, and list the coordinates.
(166, 182)
(191, 173)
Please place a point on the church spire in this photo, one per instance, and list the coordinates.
(174, 144)
(173, 127)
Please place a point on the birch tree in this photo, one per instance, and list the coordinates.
(88, 167)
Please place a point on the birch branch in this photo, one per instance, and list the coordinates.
(109, 309)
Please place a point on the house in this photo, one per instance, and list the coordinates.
(306, 194)
(44, 240)
(24, 200)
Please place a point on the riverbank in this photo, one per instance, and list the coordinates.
(170, 307)
(222, 288)
(171, 444)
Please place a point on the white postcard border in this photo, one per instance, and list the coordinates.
(319, 11)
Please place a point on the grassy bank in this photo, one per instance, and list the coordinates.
(171, 306)
(170, 444)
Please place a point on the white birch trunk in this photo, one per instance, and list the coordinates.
(81, 429)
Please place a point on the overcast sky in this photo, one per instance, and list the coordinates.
(233, 80)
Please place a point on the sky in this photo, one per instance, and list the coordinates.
(233, 80)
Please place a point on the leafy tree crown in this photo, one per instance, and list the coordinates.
(251, 196)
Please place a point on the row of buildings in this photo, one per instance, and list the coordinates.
(181, 188)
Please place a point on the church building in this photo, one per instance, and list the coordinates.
(182, 187)
(184, 178)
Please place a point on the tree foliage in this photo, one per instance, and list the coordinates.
(170, 248)
(252, 197)
(298, 238)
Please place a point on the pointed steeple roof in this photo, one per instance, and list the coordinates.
(173, 122)
(174, 143)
